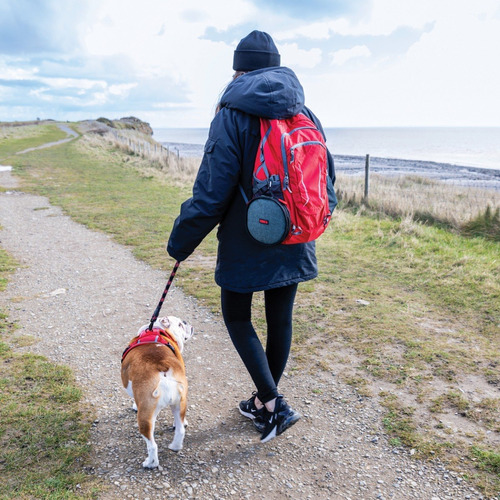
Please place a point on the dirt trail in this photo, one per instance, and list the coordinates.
(83, 297)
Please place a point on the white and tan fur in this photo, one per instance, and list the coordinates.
(155, 377)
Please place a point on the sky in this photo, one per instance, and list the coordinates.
(362, 63)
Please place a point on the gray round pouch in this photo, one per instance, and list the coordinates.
(268, 220)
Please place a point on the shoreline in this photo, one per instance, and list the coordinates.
(467, 176)
(474, 177)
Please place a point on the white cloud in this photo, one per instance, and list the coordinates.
(151, 58)
(81, 83)
(168, 42)
(292, 55)
(340, 57)
(314, 31)
(173, 105)
(13, 73)
(122, 90)
(448, 77)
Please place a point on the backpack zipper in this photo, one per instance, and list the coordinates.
(286, 178)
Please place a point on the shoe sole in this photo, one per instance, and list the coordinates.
(270, 436)
(286, 425)
(246, 414)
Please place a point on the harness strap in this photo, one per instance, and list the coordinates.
(155, 336)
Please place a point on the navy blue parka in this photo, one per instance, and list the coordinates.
(242, 264)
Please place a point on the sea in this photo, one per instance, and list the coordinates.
(465, 155)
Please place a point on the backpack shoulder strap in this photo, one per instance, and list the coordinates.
(265, 130)
(242, 191)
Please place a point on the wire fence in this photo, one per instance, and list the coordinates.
(155, 154)
(389, 188)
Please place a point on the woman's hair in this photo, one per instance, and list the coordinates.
(237, 74)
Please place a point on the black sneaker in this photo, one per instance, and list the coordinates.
(279, 420)
(248, 409)
(259, 423)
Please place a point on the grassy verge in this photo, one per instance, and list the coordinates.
(15, 139)
(464, 210)
(407, 312)
(44, 430)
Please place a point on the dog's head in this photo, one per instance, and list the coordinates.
(177, 328)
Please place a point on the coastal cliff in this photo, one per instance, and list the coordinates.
(129, 123)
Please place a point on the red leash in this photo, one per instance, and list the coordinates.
(158, 308)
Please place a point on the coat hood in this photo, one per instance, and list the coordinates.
(274, 93)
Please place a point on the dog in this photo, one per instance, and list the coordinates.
(153, 374)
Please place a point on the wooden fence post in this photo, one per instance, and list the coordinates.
(367, 176)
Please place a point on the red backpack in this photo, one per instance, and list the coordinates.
(290, 200)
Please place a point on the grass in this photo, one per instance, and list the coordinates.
(426, 329)
(139, 146)
(44, 429)
(7, 265)
(107, 191)
(18, 138)
(469, 211)
(488, 460)
(487, 224)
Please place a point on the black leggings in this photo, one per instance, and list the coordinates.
(265, 368)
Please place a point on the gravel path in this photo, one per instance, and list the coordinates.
(83, 297)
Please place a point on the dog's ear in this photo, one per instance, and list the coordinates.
(165, 322)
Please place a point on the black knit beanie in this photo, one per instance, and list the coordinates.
(256, 51)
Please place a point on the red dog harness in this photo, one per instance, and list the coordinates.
(154, 336)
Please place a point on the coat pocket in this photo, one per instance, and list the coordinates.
(209, 145)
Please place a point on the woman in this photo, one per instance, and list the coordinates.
(260, 88)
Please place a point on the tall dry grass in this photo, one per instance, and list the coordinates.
(152, 157)
(406, 196)
(419, 198)
(11, 131)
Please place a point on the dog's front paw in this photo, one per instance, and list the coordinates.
(150, 463)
